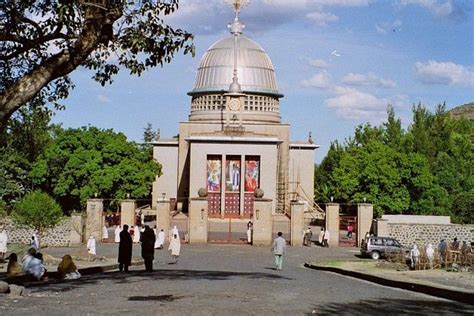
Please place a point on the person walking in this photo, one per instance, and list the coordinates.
(125, 249)
(147, 239)
(249, 232)
(279, 249)
(160, 240)
(175, 247)
(442, 249)
(308, 234)
(326, 238)
(117, 234)
(91, 247)
(321, 236)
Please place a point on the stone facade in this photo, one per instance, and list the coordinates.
(59, 236)
(423, 234)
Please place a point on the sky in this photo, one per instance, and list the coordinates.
(339, 63)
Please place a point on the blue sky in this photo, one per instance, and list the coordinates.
(398, 52)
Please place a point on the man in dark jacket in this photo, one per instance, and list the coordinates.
(148, 247)
(125, 249)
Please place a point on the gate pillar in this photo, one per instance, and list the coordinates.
(262, 222)
(163, 216)
(297, 223)
(332, 223)
(127, 215)
(198, 220)
(77, 229)
(94, 221)
(365, 216)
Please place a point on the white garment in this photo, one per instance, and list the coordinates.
(91, 246)
(175, 246)
(414, 252)
(327, 235)
(3, 241)
(105, 233)
(142, 219)
(136, 234)
(430, 251)
(160, 240)
(117, 234)
(174, 231)
(72, 276)
(321, 236)
(33, 266)
(249, 235)
(34, 242)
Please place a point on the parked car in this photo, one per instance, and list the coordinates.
(377, 247)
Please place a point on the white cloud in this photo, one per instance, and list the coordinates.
(385, 27)
(318, 63)
(326, 3)
(351, 103)
(103, 99)
(445, 73)
(320, 80)
(369, 79)
(438, 8)
(321, 18)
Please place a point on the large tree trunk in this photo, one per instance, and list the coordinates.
(59, 65)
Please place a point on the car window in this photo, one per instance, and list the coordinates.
(390, 243)
(378, 242)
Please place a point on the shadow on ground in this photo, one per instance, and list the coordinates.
(393, 307)
(137, 276)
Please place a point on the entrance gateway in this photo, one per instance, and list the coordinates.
(233, 143)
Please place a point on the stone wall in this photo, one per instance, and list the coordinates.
(423, 234)
(59, 236)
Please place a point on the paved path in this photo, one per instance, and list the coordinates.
(226, 280)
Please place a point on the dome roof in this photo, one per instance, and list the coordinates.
(254, 68)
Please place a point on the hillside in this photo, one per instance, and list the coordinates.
(466, 110)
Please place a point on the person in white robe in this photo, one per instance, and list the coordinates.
(117, 234)
(175, 247)
(160, 240)
(91, 249)
(136, 234)
(105, 233)
(326, 238)
(175, 231)
(321, 236)
(34, 243)
(430, 255)
(3, 244)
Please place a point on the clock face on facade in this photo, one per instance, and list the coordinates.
(234, 104)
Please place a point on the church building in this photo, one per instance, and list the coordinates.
(234, 148)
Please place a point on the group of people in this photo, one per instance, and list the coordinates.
(149, 242)
(443, 249)
(32, 266)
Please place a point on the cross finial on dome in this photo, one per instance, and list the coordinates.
(236, 27)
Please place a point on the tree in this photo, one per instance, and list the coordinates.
(80, 163)
(43, 41)
(38, 211)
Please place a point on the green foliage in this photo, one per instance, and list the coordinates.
(427, 169)
(44, 41)
(28, 132)
(38, 211)
(80, 163)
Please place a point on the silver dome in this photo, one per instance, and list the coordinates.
(254, 68)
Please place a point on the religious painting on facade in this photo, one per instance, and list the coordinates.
(252, 173)
(232, 171)
(213, 174)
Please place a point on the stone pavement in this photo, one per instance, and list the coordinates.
(225, 279)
